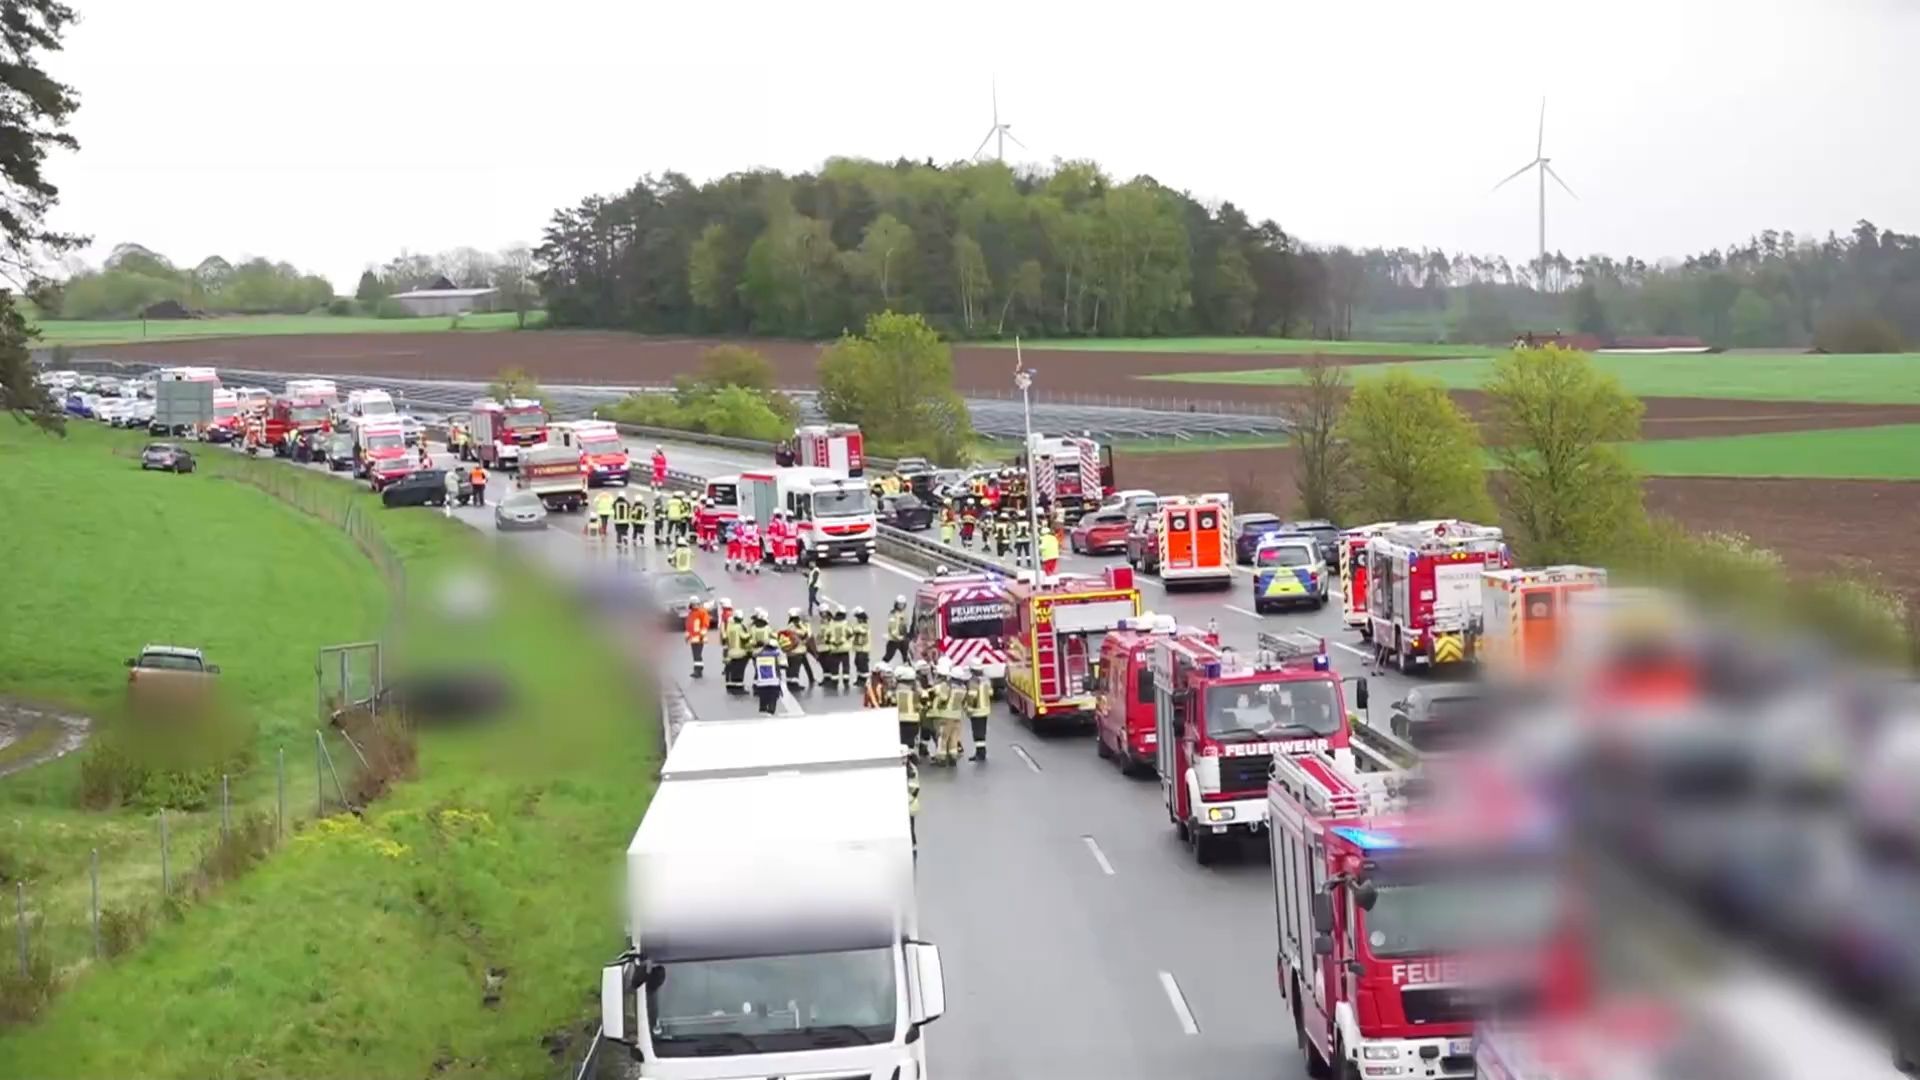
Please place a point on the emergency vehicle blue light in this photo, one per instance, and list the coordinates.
(1366, 839)
(1213, 669)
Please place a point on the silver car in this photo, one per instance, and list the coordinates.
(520, 510)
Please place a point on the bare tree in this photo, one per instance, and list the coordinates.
(513, 276)
(1314, 417)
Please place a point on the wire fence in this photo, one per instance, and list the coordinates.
(326, 498)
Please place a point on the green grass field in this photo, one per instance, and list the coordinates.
(1199, 444)
(1871, 453)
(361, 947)
(124, 331)
(1892, 378)
(1251, 346)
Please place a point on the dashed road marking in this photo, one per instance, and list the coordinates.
(1026, 757)
(1179, 1003)
(1093, 848)
(1241, 610)
(1335, 644)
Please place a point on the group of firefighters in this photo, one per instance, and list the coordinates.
(837, 652)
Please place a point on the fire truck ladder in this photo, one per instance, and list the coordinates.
(1046, 651)
(1292, 645)
(1316, 780)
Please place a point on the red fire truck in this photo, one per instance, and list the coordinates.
(601, 450)
(1408, 910)
(1123, 706)
(500, 429)
(828, 446)
(1221, 717)
(1353, 575)
(963, 619)
(1053, 643)
(1074, 472)
(1424, 588)
(294, 415)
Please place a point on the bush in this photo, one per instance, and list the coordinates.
(23, 996)
(243, 846)
(392, 753)
(340, 305)
(1857, 332)
(123, 928)
(732, 410)
(172, 760)
(389, 308)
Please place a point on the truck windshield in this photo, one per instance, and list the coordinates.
(309, 413)
(375, 406)
(1303, 709)
(841, 502)
(222, 411)
(764, 1004)
(602, 444)
(524, 419)
(1285, 555)
(724, 494)
(1488, 908)
(386, 440)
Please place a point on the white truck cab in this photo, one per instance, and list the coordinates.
(771, 911)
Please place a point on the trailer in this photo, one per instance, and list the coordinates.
(772, 920)
(183, 400)
(555, 473)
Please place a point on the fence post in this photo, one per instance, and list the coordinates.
(166, 874)
(226, 807)
(280, 794)
(319, 777)
(94, 868)
(20, 917)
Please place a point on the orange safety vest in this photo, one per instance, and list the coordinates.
(697, 623)
(478, 476)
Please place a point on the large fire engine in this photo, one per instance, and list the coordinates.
(501, 429)
(1526, 616)
(1220, 719)
(1076, 473)
(962, 619)
(293, 415)
(1423, 590)
(838, 447)
(1123, 711)
(1407, 911)
(1053, 644)
(601, 450)
(380, 450)
(1353, 575)
(832, 515)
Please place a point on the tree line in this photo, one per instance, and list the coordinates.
(134, 278)
(977, 250)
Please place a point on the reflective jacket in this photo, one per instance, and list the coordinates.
(859, 636)
(766, 669)
(979, 698)
(735, 636)
(833, 636)
(897, 626)
(907, 701)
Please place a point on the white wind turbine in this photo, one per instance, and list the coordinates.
(1544, 165)
(998, 134)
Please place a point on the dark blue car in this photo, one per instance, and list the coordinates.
(1247, 531)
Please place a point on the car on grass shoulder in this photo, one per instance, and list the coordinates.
(1103, 532)
(1287, 572)
(423, 487)
(166, 457)
(521, 510)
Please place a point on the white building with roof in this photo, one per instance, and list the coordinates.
(446, 301)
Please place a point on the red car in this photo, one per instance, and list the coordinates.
(1099, 533)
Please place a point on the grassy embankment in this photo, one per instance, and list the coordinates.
(125, 331)
(362, 947)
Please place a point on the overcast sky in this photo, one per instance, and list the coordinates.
(334, 135)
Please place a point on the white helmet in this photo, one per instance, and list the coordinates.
(940, 570)
(943, 669)
(903, 672)
(760, 613)
(899, 601)
(726, 601)
(793, 613)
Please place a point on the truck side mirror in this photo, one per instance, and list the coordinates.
(613, 1003)
(1364, 894)
(1322, 913)
(1322, 945)
(1360, 692)
(927, 994)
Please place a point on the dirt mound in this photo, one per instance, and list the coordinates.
(170, 309)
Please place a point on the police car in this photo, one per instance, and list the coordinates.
(1288, 571)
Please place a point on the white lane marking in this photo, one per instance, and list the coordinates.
(1179, 1003)
(892, 569)
(1335, 644)
(1241, 610)
(1026, 757)
(788, 706)
(1093, 848)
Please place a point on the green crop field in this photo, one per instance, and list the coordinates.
(1869, 453)
(361, 946)
(1892, 378)
(1198, 444)
(1251, 346)
(125, 331)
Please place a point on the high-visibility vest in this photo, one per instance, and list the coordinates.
(897, 626)
(736, 638)
(860, 636)
(793, 640)
(683, 558)
(766, 669)
(758, 636)
(833, 636)
(813, 577)
(622, 511)
(907, 700)
(1049, 546)
(946, 703)
(697, 623)
(603, 504)
(478, 477)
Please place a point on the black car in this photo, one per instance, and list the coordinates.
(1326, 538)
(339, 452)
(905, 511)
(423, 487)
